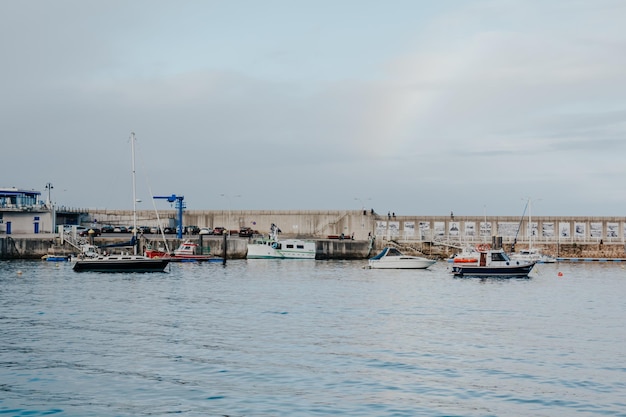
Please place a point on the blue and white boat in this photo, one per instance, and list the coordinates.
(493, 263)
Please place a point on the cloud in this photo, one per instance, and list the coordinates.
(453, 102)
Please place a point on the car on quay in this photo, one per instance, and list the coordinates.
(247, 232)
(92, 231)
(219, 230)
(192, 230)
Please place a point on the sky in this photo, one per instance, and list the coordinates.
(410, 106)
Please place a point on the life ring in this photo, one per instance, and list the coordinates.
(483, 247)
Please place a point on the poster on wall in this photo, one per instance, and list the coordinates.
(595, 230)
(534, 229)
(409, 229)
(507, 229)
(579, 230)
(424, 230)
(453, 228)
(612, 230)
(564, 230)
(547, 230)
(470, 228)
(381, 228)
(485, 228)
(394, 229)
(440, 229)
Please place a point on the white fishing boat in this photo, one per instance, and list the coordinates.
(392, 258)
(273, 248)
(91, 260)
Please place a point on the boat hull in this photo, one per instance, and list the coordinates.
(121, 265)
(513, 271)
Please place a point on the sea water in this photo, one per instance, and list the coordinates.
(311, 338)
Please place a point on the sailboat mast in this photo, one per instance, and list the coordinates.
(530, 226)
(132, 147)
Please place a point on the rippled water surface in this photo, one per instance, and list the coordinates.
(311, 338)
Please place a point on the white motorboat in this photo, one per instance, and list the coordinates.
(392, 258)
(273, 248)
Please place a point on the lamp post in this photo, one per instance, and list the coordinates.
(49, 187)
(50, 206)
(229, 197)
(361, 201)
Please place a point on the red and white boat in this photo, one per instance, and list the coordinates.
(188, 251)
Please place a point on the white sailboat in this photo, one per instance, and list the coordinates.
(531, 254)
(123, 262)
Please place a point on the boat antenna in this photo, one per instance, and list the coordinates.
(132, 147)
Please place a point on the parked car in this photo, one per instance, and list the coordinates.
(169, 230)
(87, 232)
(67, 228)
(247, 232)
(192, 230)
(219, 230)
(120, 229)
(205, 231)
(107, 229)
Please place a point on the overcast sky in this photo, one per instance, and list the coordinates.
(410, 106)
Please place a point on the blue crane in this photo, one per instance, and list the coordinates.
(179, 206)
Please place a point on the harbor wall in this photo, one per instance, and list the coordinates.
(435, 236)
(363, 223)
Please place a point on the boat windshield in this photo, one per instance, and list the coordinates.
(499, 256)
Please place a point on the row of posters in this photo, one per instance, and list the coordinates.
(505, 229)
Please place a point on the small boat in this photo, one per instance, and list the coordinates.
(56, 258)
(188, 251)
(532, 254)
(493, 263)
(468, 255)
(273, 248)
(120, 263)
(392, 258)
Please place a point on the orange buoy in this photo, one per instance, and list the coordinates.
(560, 274)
